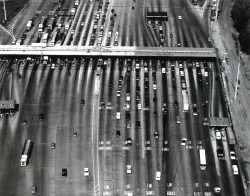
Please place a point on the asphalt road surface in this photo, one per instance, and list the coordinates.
(114, 23)
(122, 118)
(91, 136)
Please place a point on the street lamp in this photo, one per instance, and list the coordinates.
(5, 17)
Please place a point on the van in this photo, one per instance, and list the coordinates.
(235, 170)
(158, 175)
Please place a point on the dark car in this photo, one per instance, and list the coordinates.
(82, 102)
(64, 173)
(41, 117)
(138, 123)
(127, 116)
(155, 113)
(203, 106)
(154, 99)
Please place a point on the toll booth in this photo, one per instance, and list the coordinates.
(160, 16)
(218, 122)
(7, 107)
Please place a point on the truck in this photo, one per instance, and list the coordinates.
(25, 153)
(203, 159)
(73, 11)
(230, 136)
(29, 25)
(42, 23)
(51, 24)
(185, 101)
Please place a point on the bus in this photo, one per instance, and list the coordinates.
(25, 153)
(203, 159)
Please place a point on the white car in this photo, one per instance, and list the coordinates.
(154, 86)
(86, 171)
(182, 73)
(118, 115)
(235, 169)
(139, 106)
(232, 155)
(129, 169)
(184, 141)
(218, 135)
(180, 17)
(158, 175)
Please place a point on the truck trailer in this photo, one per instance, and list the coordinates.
(185, 100)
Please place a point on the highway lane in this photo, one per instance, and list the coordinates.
(131, 23)
(98, 146)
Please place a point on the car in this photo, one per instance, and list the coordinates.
(154, 86)
(53, 145)
(203, 106)
(179, 44)
(82, 23)
(118, 93)
(95, 26)
(217, 189)
(232, 155)
(86, 171)
(139, 106)
(24, 122)
(64, 173)
(182, 73)
(138, 123)
(178, 119)
(129, 169)
(179, 17)
(184, 142)
(129, 141)
(34, 189)
(128, 125)
(235, 169)
(156, 135)
(155, 113)
(158, 175)
(218, 135)
(154, 99)
(176, 104)
(41, 117)
(127, 116)
(82, 102)
(102, 104)
(195, 110)
(118, 115)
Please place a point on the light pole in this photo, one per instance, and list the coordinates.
(5, 17)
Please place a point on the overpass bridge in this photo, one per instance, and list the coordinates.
(106, 51)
